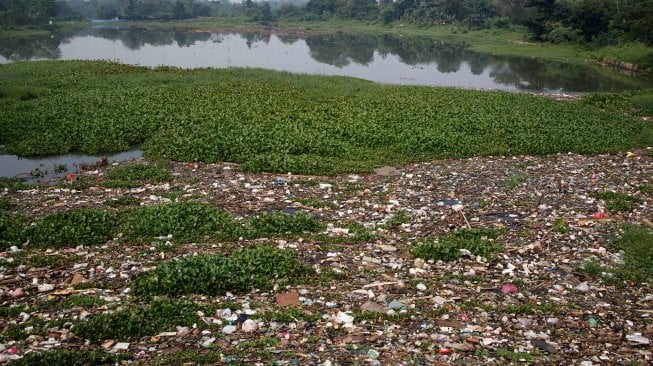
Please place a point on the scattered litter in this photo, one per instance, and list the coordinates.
(370, 300)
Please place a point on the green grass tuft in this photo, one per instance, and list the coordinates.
(636, 244)
(399, 218)
(83, 301)
(14, 230)
(516, 180)
(514, 356)
(561, 226)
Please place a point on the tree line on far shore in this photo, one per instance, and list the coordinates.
(602, 22)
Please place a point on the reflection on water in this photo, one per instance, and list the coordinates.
(48, 167)
(382, 58)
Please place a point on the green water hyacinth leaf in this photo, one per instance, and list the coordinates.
(279, 224)
(477, 241)
(136, 175)
(271, 121)
(186, 222)
(72, 228)
(245, 270)
(136, 322)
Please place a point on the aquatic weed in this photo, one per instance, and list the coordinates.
(210, 274)
(138, 321)
(448, 247)
(617, 202)
(306, 124)
(136, 175)
(186, 222)
(72, 228)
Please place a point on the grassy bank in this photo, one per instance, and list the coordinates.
(273, 121)
(512, 41)
(40, 30)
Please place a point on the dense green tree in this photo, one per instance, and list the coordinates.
(266, 12)
(512, 9)
(356, 9)
(20, 12)
(538, 14)
(321, 8)
(180, 10)
(108, 11)
(479, 12)
(132, 11)
(635, 18)
(591, 18)
(598, 21)
(288, 11)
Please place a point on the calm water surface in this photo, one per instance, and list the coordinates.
(382, 58)
(45, 168)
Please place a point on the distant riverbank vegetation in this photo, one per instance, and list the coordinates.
(281, 122)
(612, 31)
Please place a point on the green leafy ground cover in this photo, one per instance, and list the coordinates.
(72, 228)
(68, 358)
(618, 202)
(136, 175)
(272, 121)
(243, 271)
(476, 241)
(186, 222)
(136, 322)
(634, 242)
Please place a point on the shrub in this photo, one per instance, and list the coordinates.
(6, 204)
(643, 103)
(12, 184)
(562, 35)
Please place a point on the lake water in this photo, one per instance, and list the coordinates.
(49, 167)
(382, 58)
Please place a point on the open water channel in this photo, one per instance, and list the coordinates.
(382, 58)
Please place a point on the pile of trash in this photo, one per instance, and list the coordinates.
(550, 291)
